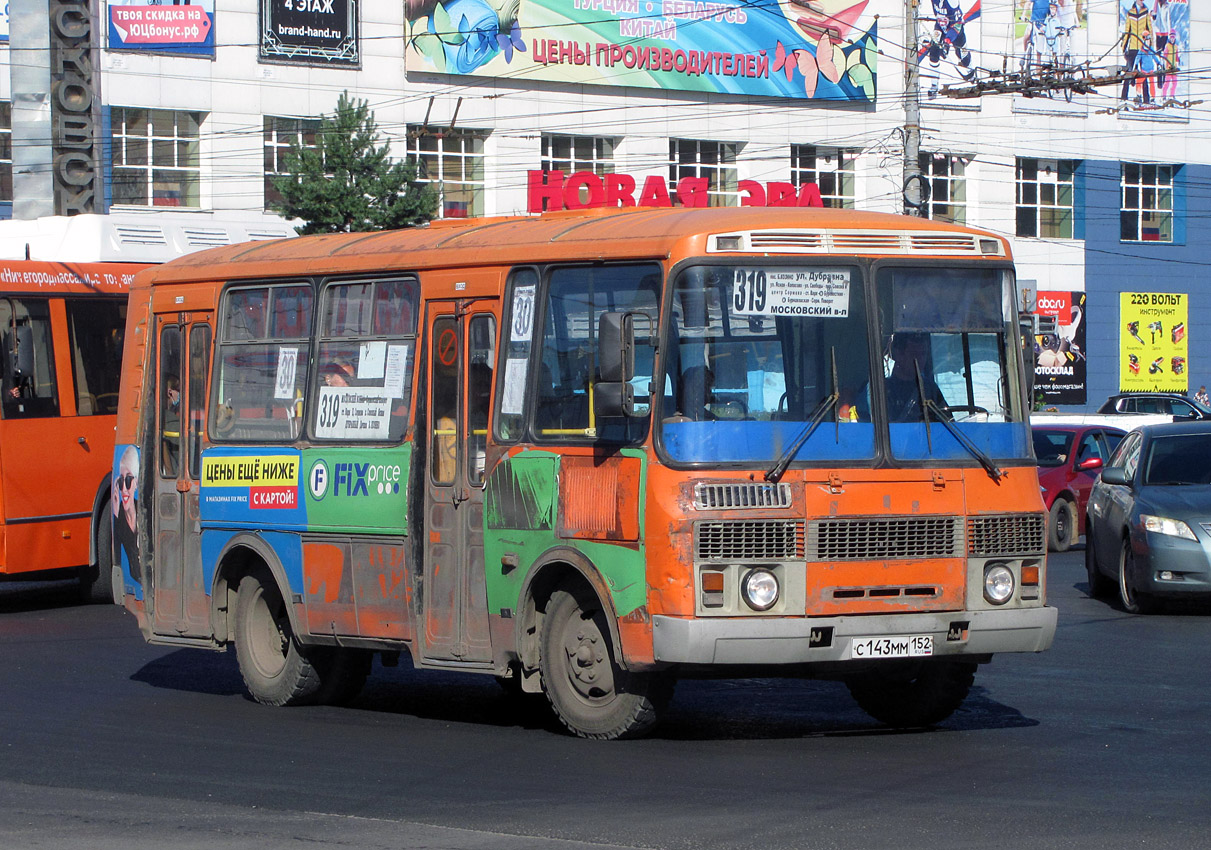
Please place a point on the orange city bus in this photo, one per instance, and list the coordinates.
(589, 453)
(61, 327)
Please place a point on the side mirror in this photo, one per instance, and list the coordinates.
(616, 347)
(613, 395)
(1115, 475)
(1090, 463)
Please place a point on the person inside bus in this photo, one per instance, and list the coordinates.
(124, 502)
(910, 352)
(19, 344)
(338, 373)
(170, 428)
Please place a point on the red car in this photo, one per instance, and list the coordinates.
(1070, 460)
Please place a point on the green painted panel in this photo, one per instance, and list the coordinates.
(357, 489)
(520, 519)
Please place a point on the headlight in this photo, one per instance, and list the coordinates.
(759, 589)
(998, 584)
(1164, 525)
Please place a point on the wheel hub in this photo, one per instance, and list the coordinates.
(588, 663)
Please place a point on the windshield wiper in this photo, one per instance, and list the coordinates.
(829, 402)
(994, 471)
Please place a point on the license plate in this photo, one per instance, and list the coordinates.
(904, 646)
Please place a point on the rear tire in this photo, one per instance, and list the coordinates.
(1059, 525)
(100, 582)
(273, 665)
(914, 695)
(590, 693)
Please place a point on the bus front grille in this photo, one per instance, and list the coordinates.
(723, 497)
(885, 538)
(1006, 534)
(749, 540)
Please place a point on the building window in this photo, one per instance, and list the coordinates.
(453, 162)
(831, 169)
(1147, 210)
(280, 135)
(6, 151)
(155, 157)
(947, 178)
(716, 161)
(1044, 197)
(570, 154)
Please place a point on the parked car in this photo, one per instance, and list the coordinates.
(1162, 403)
(1070, 458)
(1148, 526)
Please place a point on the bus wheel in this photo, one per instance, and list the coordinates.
(914, 695)
(273, 665)
(100, 584)
(590, 693)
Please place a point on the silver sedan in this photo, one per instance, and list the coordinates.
(1148, 526)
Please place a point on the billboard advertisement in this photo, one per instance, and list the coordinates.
(310, 32)
(822, 50)
(948, 44)
(139, 25)
(1059, 348)
(1152, 342)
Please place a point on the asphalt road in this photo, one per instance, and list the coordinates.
(105, 742)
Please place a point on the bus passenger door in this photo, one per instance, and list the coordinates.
(460, 360)
(181, 602)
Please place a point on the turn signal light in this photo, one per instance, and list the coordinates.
(1030, 575)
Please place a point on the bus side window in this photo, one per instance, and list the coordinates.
(169, 391)
(28, 383)
(366, 347)
(263, 363)
(482, 354)
(95, 330)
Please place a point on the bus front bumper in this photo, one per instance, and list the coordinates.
(784, 640)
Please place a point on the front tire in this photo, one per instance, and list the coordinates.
(273, 665)
(1134, 601)
(589, 692)
(914, 695)
(1059, 525)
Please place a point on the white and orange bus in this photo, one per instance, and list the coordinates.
(589, 453)
(61, 339)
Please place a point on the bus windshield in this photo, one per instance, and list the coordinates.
(948, 354)
(754, 351)
(757, 351)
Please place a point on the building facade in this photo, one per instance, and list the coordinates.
(515, 107)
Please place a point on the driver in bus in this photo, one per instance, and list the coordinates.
(908, 352)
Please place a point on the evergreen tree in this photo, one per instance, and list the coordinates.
(347, 183)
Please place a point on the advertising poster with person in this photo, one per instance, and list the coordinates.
(124, 501)
(1153, 346)
(1059, 348)
(1051, 42)
(948, 46)
(1154, 42)
(822, 50)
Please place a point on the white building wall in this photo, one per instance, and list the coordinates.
(235, 90)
